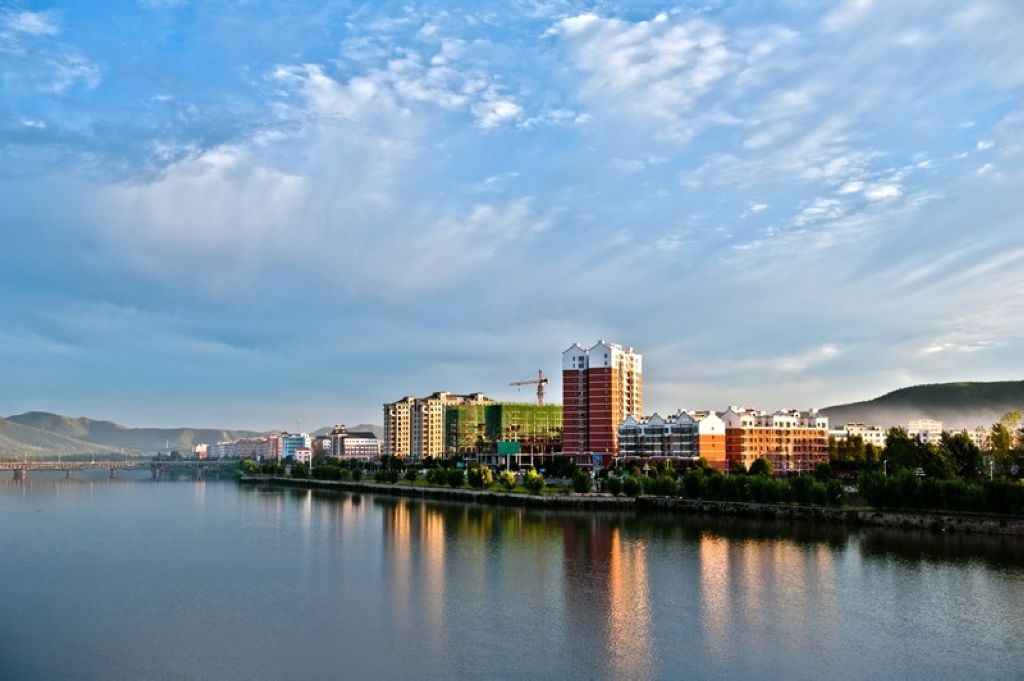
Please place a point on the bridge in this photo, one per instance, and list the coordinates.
(21, 468)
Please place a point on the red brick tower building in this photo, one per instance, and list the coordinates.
(600, 386)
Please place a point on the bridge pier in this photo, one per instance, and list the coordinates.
(21, 474)
(113, 473)
(67, 473)
(158, 472)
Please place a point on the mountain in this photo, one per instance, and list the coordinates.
(957, 405)
(361, 428)
(38, 432)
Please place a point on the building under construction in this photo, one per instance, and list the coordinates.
(528, 433)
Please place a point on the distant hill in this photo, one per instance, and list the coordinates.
(37, 432)
(957, 405)
(361, 428)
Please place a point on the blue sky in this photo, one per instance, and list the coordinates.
(247, 213)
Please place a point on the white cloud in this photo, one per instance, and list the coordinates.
(33, 123)
(801, 363)
(649, 70)
(881, 192)
(29, 23)
(758, 207)
(985, 144)
(491, 113)
(847, 15)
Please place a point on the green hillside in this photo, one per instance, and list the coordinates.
(44, 433)
(957, 405)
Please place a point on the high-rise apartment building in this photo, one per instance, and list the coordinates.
(600, 387)
(414, 426)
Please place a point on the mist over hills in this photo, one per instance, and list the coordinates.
(957, 405)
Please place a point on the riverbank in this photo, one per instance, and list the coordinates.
(936, 522)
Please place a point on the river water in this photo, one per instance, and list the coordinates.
(132, 579)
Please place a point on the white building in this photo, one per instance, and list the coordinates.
(871, 435)
(928, 431)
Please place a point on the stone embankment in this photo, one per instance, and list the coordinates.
(846, 516)
(567, 501)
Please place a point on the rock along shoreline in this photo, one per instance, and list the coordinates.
(914, 520)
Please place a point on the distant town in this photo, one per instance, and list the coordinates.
(601, 423)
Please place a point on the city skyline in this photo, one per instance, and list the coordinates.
(778, 205)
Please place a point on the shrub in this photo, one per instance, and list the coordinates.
(819, 493)
(437, 476)
(456, 477)
(411, 474)
(533, 481)
(507, 480)
(480, 477)
(581, 481)
(691, 483)
(835, 493)
(800, 487)
(345, 474)
(357, 474)
(631, 486)
(386, 476)
(823, 472)
(614, 485)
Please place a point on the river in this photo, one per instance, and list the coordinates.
(133, 579)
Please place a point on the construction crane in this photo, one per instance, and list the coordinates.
(540, 382)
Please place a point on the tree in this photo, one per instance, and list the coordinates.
(963, 454)
(761, 466)
(456, 477)
(738, 468)
(411, 474)
(581, 481)
(901, 450)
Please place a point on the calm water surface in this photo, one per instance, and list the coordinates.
(132, 579)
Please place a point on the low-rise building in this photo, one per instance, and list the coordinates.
(793, 442)
(871, 435)
(683, 436)
(362, 445)
(242, 448)
(928, 431)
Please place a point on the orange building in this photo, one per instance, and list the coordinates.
(600, 386)
(710, 438)
(792, 442)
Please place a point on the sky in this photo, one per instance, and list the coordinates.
(251, 213)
